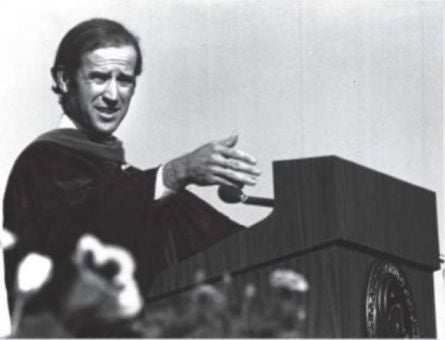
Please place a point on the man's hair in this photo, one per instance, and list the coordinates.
(86, 37)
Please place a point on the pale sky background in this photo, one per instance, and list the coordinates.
(361, 79)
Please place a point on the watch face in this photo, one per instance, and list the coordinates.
(390, 308)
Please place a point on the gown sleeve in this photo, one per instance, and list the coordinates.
(55, 195)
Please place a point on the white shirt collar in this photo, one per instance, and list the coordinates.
(66, 123)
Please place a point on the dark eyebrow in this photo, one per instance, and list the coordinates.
(99, 74)
(127, 77)
(103, 75)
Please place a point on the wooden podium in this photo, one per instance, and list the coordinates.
(366, 242)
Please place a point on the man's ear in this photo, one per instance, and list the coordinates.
(62, 79)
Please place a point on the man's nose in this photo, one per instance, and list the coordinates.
(111, 94)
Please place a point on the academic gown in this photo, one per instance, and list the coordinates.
(55, 194)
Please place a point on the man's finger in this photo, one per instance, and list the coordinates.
(219, 180)
(230, 141)
(234, 176)
(238, 165)
(238, 154)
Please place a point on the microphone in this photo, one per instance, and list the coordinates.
(235, 195)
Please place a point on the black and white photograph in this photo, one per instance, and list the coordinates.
(222, 169)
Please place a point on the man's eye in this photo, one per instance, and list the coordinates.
(98, 77)
(126, 80)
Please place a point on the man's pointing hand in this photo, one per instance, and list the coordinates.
(215, 163)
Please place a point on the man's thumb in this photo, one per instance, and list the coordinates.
(230, 141)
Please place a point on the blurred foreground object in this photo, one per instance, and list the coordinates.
(225, 310)
(7, 240)
(106, 274)
(101, 297)
(104, 292)
(33, 273)
(288, 279)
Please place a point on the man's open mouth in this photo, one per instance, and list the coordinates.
(107, 110)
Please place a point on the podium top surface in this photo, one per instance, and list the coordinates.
(329, 198)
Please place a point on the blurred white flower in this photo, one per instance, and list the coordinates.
(106, 280)
(200, 276)
(227, 278)
(33, 272)
(130, 301)
(301, 314)
(250, 291)
(208, 294)
(7, 238)
(288, 279)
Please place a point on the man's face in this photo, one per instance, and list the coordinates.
(104, 85)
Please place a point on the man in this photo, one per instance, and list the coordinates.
(75, 180)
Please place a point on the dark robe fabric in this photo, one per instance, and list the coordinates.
(58, 192)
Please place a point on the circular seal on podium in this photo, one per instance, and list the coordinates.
(390, 308)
